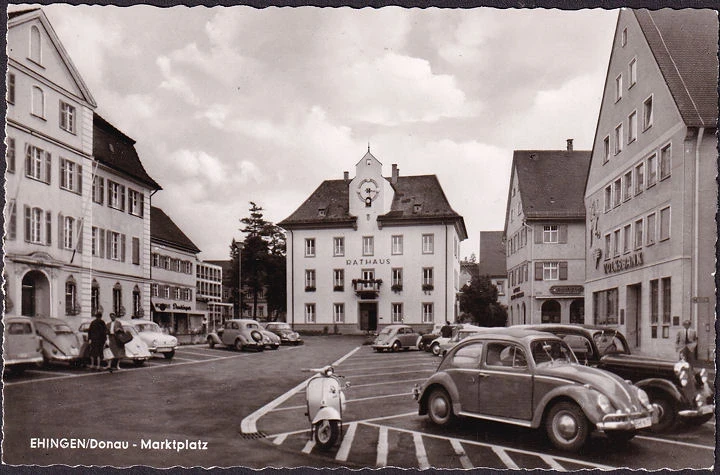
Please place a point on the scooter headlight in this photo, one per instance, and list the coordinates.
(604, 403)
(329, 371)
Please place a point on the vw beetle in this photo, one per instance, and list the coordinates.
(532, 379)
(240, 334)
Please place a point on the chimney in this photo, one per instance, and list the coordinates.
(346, 176)
(395, 172)
(569, 145)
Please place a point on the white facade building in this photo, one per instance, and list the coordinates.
(369, 251)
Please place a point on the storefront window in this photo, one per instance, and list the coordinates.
(605, 307)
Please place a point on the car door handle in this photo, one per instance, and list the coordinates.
(482, 375)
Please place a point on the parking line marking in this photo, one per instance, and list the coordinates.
(395, 373)
(382, 447)
(676, 442)
(249, 424)
(309, 446)
(505, 458)
(49, 372)
(460, 451)
(280, 439)
(342, 454)
(386, 383)
(185, 352)
(287, 408)
(552, 463)
(348, 374)
(184, 359)
(420, 453)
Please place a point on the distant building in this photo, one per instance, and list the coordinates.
(173, 287)
(209, 295)
(651, 192)
(77, 236)
(545, 236)
(491, 262)
(369, 251)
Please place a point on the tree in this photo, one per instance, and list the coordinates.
(235, 294)
(479, 299)
(262, 260)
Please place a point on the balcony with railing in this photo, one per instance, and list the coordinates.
(367, 288)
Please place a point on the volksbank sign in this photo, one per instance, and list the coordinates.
(624, 263)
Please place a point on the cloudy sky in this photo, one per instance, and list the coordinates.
(229, 105)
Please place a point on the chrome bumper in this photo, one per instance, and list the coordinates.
(628, 422)
(701, 410)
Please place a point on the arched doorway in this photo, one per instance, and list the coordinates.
(35, 295)
(523, 314)
(550, 311)
(577, 311)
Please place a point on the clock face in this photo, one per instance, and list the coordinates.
(368, 189)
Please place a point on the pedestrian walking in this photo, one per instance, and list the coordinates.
(686, 342)
(97, 336)
(116, 346)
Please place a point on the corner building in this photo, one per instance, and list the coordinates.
(369, 251)
(651, 195)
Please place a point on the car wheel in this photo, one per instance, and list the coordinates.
(276, 347)
(396, 346)
(567, 427)
(440, 407)
(621, 437)
(169, 355)
(421, 345)
(327, 433)
(435, 349)
(239, 345)
(211, 342)
(138, 362)
(667, 419)
(698, 420)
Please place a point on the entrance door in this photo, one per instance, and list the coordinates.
(35, 295)
(633, 315)
(368, 316)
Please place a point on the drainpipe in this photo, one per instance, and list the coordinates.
(446, 274)
(696, 225)
(292, 280)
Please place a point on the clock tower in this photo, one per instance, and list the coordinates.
(369, 193)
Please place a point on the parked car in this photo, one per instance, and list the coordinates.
(461, 334)
(427, 338)
(22, 347)
(434, 347)
(136, 350)
(60, 343)
(285, 332)
(270, 339)
(241, 334)
(158, 343)
(396, 337)
(533, 379)
(666, 381)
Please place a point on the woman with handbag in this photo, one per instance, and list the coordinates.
(97, 335)
(117, 346)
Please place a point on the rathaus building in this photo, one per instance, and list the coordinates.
(368, 251)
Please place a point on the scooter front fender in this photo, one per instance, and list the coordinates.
(327, 413)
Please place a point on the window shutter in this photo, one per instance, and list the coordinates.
(28, 221)
(12, 229)
(101, 242)
(79, 178)
(562, 233)
(538, 232)
(79, 245)
(122, 247)
(61, 167)
(538, 271)
(48, 228)
(563, 270)
(61, 231)
(109, 192)
(108, 242)
(122, 198)
(28, 159)
(48, 167)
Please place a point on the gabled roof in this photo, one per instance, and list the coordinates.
(685, 45)
(333, 197)
(491, 260)
(19, 17)
(551, 183)
(164, 230)
(116, 150)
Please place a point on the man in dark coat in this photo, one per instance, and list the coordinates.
(97, 335)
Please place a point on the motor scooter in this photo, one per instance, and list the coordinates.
(325, 404)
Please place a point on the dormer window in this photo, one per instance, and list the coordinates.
(416, 208)
(321, 212)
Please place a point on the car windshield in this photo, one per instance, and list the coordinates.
(252, 326)
(61, 328)
(608, 341)
(279, 326)
(551, 352)
(147, 327)
(19, 328)
(386, 331)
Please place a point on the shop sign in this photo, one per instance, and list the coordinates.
(567, 289)
(517, 295)
(624, 263)
(179, 306)
(366, 262)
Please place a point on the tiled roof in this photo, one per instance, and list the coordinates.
(685, 44)
(333, 196)
(163, 229)
(116, 150)
(491, 260)
(551, 183)
(17, 13)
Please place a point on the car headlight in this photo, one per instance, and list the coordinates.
(604, 403)
(699, 400)
(703, 376)
(644, 399)
(154, 343)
